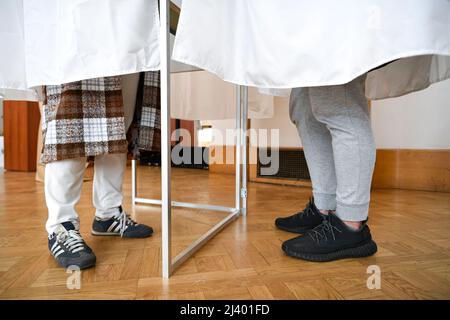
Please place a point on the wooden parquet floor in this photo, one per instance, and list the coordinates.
(244, 261)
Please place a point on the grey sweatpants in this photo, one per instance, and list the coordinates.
(334, 126)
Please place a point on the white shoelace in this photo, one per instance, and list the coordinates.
(71, 239)
(125, 221)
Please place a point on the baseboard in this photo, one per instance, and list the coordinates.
(410, 169)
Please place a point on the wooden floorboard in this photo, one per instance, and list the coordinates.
(244, 261)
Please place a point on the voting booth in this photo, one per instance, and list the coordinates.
(55, 42)
(402, 46)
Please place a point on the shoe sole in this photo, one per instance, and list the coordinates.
(84, 266)
(112, 234)
(98, 233)
(364, 250)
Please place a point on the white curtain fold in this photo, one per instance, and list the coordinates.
(73, 40)
(200, 95)
(284, 44)
(13, 83)
(46, 42)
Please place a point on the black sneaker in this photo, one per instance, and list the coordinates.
(120, 225)
(302, 221)
(69, 249)
(331, 240)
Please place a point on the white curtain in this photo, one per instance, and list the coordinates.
(200, 95)
(80, 39)
(48, 42)
(299, 43)
(12, 53)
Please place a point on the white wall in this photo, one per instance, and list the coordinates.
(420, 120)
(221, 126)
(288, 132)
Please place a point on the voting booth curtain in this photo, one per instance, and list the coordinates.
(52, 42)
(293, 43)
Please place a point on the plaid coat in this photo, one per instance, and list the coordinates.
(86, 118)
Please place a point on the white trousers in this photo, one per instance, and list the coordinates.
(64, 179)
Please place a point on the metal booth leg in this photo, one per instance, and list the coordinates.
(244, 149)
(169, 264)
(166, 203)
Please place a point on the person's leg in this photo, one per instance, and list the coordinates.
(109, 168)
(63, 182)
(109, 171)
(317, 146)
(108, 178)
(316, 141)
(110, 219)
(344, 111)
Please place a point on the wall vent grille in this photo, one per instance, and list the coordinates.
(292, 165)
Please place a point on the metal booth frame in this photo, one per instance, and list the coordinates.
(169, 264)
